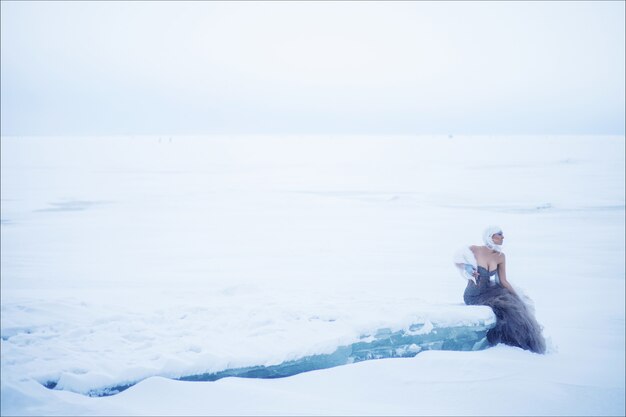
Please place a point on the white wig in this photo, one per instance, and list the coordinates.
(487, 237)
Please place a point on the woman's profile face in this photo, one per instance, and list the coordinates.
(497, 238)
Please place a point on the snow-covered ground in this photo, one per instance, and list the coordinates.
(129, 259)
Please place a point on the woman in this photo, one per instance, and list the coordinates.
(485, 270)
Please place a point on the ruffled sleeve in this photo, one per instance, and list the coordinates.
(465, 261)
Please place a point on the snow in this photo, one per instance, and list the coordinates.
(129, 259)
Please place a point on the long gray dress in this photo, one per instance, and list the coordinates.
(515, 324)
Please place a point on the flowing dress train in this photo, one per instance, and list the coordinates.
(515, 324)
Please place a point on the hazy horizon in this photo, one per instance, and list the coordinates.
(408, 68)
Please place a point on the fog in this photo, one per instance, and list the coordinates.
(312, 67)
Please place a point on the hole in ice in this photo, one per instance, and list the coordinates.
(50, 384)
(384, 343)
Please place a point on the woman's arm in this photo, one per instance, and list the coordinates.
(502, 274)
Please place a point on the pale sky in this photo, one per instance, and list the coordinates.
(312, 67)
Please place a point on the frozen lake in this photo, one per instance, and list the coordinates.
(139, 259)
